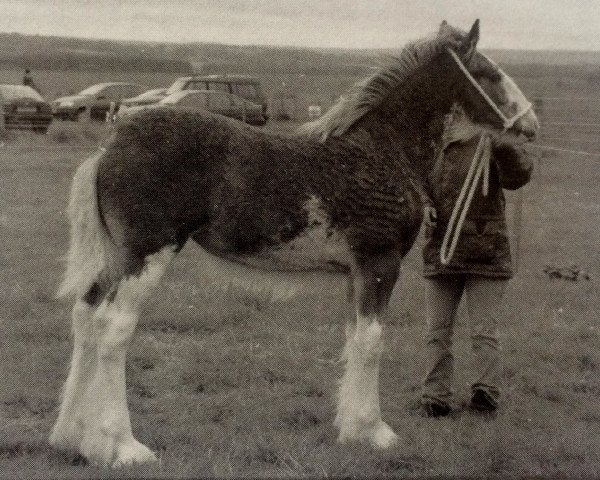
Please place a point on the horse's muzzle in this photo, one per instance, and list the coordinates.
(529, 134)
(528, 126)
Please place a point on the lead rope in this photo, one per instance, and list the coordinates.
(480, 166)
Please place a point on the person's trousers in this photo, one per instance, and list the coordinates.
(484, 298)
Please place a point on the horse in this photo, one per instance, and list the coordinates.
(343, 195)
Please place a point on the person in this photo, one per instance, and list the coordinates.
(479, 270)
(28, 80)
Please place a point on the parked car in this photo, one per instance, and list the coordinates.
(243, 86)
(146, 98)
(95, 100)
(24, 108)
(216, 102)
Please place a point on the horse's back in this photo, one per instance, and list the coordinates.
(166, 174)
(265, 200)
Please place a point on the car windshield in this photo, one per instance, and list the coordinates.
(14, 92)
(93, 90)
(173, 98)
(151, 93)
(177, 86)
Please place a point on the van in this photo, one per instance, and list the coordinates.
(244, 86)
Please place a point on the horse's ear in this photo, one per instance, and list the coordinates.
(444, 27)
(470, 43)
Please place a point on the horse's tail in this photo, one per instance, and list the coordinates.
(92, 253)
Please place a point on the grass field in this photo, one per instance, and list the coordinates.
(231, 385)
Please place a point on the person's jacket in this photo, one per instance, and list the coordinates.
(483, 247)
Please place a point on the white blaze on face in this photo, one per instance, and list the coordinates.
(517, 105)
(528, 122)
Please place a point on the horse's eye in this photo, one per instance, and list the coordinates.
(481, 69)
(488, 74)
(494, 76)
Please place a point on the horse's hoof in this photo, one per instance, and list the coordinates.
(380, 436)
(383, 436)
(133, 453)
(65, 437)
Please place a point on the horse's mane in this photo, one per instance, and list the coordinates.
(368, 93)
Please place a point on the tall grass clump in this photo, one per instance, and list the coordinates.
(76, 133)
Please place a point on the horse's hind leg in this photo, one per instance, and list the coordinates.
(359, 415)
(106, 436)
(69, 426)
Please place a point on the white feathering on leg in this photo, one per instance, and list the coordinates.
(107, 438)
(359, 415)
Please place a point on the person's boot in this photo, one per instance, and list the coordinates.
(482, 401)
(434, 409)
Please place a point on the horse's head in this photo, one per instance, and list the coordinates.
(429, 78)
(489, 97)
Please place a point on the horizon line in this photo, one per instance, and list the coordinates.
(271, 45)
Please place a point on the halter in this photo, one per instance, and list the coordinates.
(507, 123)
(480, 165)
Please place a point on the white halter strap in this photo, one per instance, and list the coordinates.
(507, 123)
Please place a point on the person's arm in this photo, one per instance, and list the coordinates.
(514, 164)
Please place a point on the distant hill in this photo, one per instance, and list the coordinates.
(62, 53)
(65, 53)
(546, 57)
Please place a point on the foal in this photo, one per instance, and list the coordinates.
(344, 196)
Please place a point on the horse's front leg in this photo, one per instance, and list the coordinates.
(359, 414)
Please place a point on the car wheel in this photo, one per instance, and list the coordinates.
(78, 113)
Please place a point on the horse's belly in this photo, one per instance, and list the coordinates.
(316, 248)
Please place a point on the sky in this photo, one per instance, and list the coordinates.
(515, 24)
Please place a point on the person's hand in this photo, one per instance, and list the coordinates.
(430, 216)
(508, 141)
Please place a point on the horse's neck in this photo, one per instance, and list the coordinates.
(414, 137)
(413, 118)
